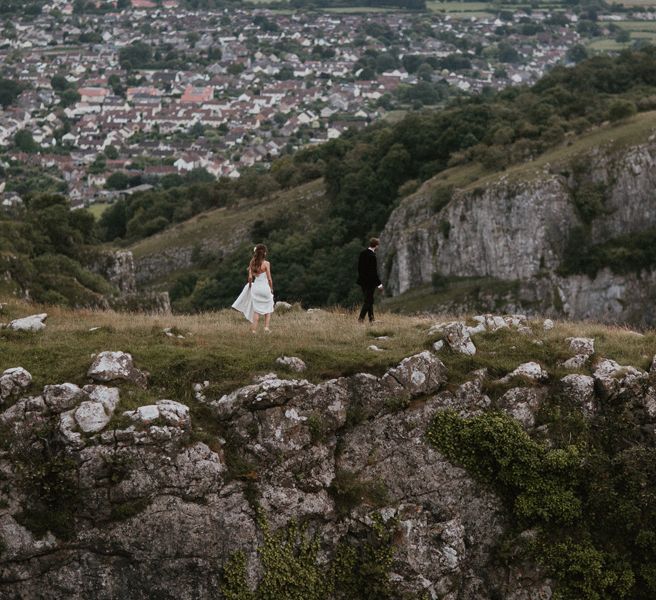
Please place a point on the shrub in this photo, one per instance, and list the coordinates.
(442, 195)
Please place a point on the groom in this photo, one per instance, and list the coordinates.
(368, 278)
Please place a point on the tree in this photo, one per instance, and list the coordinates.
(621, 109)
(69, 97)
(135, 56)
(111, 152)
(117, 181)
(24, 141)
(9, 91)
(577, 53)
(58, 82)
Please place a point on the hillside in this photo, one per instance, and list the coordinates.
(216, 233)
(186, 469)
(569, 233)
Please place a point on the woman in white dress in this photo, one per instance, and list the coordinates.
(257, 296)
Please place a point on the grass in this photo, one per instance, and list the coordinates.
(98, 208)
(426, 299)
(612, 137)
(227, 227)
(219, 348)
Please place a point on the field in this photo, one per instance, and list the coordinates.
(219, 348)
(98, 209)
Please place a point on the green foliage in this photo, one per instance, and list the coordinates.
(593, 505)
(539, 483)
(24, 141)
(589, 199)
(359, 568)
(234, 586)
(624, 254)
(291, 569)
(9, 91)
(442, 195)
(46, 250)
(348, 491)
(47, 474)
(621, 109)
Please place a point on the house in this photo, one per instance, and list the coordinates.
(197, 95)
(93, 95)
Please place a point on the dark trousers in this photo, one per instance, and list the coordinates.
(368, 305)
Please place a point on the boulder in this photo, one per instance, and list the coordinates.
(112, 366)
(611, 379)
(31, 323)
(107, 396)
(523, 404)
(91, 416)
(576, 362)
(581, 345)
(417, 375)
(13, 382)
(65, 396)
(375, 348)
(174, 413)
(531, 370)
(144, 415)
(580, 389)
(458, 338)
(548, 325)
(293, 363)
(281, 306)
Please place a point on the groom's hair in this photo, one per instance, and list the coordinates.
(373, 242)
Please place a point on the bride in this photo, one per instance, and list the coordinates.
(257, 296)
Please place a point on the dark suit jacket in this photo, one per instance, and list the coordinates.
(368, 269)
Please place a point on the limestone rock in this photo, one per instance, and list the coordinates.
(13, 382)
(548, 325)
(611, 379)
(293, 363)
(31, 323)
(107, 396)
(581, 345)
(144, 415)
(523, 404)
(174, 413)
(65, 396)
(458, 338)
(531, 370)
(375, 348)
(580, 389)
(281, 306)
(576, 362)
(91, 416)
(417, 375)
(111, 366)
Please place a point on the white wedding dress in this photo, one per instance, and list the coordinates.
(256, 298)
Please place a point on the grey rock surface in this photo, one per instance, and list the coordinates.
(516, 231)
(160, 512)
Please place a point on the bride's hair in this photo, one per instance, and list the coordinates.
(259, 254)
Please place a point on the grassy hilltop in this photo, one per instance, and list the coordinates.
(218, 346)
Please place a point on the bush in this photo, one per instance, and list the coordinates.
(442, 195)
(621, 109)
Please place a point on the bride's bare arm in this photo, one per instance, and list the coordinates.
(268, 272)
(250, 275)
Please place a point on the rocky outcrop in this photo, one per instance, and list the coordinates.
(158, 512)
(516, 230)
(151, 506)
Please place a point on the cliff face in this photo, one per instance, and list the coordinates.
(143, 508)
(516, 228)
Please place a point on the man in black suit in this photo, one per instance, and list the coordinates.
(368, 278)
